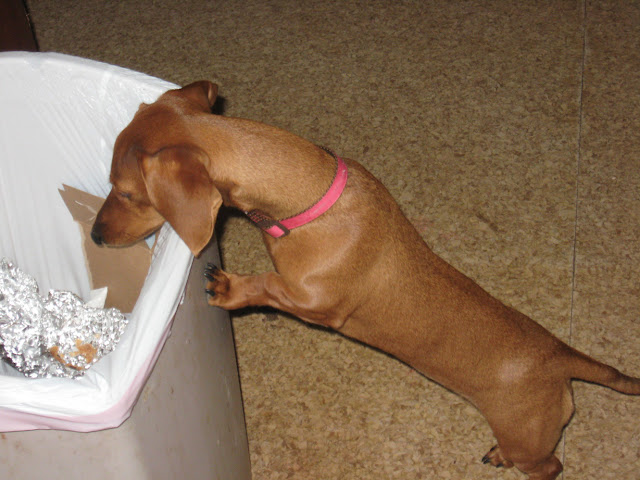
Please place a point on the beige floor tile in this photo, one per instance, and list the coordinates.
(604, 439)
(474, 129)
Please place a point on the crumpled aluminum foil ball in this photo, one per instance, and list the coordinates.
(57, 336)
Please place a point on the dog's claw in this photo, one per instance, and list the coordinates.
(485, 459)
(210, 270)
(217, 286)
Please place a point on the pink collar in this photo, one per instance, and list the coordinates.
(281, 228)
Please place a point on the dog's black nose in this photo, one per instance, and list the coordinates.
(96, 236)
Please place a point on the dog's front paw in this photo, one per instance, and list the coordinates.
(217, 287)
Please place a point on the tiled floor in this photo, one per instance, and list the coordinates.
(509, 133)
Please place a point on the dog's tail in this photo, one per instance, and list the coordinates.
(583, 367)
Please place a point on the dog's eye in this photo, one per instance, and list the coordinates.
(126, 195)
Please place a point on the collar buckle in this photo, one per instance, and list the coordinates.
(268, 224)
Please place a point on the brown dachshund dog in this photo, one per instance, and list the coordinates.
(351, 261)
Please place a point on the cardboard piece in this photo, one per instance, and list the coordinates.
(121, 270)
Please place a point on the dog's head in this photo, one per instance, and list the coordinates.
(158, 175)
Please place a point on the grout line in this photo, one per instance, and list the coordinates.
(577, 195)
(578, 164)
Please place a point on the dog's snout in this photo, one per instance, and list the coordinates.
(96, 235)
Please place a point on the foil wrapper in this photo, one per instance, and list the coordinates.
(56, 336)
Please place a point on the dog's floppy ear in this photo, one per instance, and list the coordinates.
(203, 92)
(182, 191)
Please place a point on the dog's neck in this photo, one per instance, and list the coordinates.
(280, 228)
(267, 169)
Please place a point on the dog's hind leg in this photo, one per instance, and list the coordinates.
(528, 437)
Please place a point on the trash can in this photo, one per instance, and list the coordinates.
(166, 403)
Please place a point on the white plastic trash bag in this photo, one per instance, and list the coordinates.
(59, 118)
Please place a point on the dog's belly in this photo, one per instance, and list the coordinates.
(449, 329)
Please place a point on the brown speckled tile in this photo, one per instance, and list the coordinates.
(604, 439)
(466, 114)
